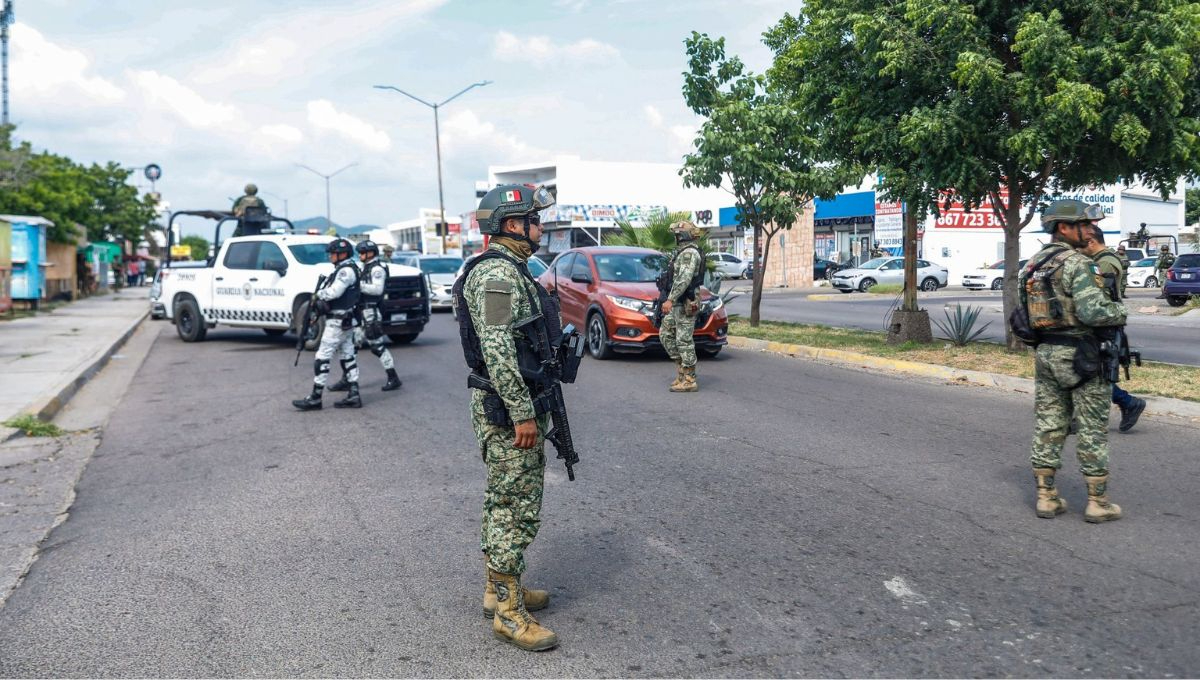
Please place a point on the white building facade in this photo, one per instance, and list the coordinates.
(420, 234)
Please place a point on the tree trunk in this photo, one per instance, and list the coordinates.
(1012, 256)
(910, 260)
(760, 270)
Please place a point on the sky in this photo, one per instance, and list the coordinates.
(221, 94)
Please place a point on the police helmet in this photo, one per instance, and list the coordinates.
(367, 246)
(510, 200)
(1070, 211)
(251, 189)
(339, 246)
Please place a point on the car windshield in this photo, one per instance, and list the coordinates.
(1144, 262)
(997, 265)
(630, 267)
(440, 265)
(875, 264)
(536, 266)
(1188, 261)
(309, 253)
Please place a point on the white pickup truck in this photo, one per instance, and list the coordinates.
(265, 281)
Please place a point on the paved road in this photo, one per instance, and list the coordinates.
(790, 519)
(1160, 338)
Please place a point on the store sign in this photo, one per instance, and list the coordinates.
(1091, 195)
(889, 226)
(607, 213)
(703, 217)
(955, 216)
(181, 251)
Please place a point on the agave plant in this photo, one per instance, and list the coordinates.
(960, 327)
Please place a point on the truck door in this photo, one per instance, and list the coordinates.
(269, 301)
(232, 290)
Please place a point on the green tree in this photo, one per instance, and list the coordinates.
(993, 97)
(199, 246)
(14, 161)
(752, 144)
(1192, 206)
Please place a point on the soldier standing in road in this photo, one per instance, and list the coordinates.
(1109, 264)
(493, 299)
(681, 306)
(1061, 293)
(248, 200)
(1124, 258)
(374, 279)
(1161, 265)
(336, 301)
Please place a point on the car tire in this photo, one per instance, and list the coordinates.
(866, 285)
(275, 332)
(709, 353)
(1151, 282)
(318, 323)
(997, 284)
(597, 337)
(402, 338)
(929, 285)
(1177, 300)
(189, 323)
(844, 290)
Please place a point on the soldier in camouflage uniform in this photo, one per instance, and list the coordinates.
(499, 294)
(248, 200)
(1064, 298)
(681, 306)
(1123, 257)
(1161, 265)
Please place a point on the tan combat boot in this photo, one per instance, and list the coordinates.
(1049, 505)
(512, 622)
(1099, 508)
(678, 375)
(687, 382)
(534, 599)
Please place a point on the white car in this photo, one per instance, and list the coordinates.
(730, 266)
(440, 271)
(988, 277)
(930, 276)
(1142, 275)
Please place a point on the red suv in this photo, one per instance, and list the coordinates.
(610, 292)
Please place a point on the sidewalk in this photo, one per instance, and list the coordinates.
(45, 359)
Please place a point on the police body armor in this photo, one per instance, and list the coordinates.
(344, 306)
(374, 300)
(542, 364)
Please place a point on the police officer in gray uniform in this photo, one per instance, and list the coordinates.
(336, 301)
(374, 278)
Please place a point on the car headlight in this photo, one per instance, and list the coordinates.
(714, 303)
(632, 304)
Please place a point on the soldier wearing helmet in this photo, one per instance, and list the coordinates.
(374, 278)
(686, 270)
(248, 200)
(1062, 295)
(494, 298)
(336, 300)
(1165, 259)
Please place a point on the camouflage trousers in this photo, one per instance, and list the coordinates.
(512, 503)
(340, 341)
(370, 315)
(676, 335)
(1055, 403)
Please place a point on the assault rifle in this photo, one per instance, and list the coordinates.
(306, 325)
(664, 282)
(559, 364)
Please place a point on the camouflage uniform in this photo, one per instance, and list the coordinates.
(1124, 259)
(498, 297)
(1161, 265)
(679, 326)
(1057, 392)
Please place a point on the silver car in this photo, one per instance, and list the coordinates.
(730, 266)
(930, 276)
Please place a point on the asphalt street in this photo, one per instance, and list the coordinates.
(791, 519)
(1158, 337)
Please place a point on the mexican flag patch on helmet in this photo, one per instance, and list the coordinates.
(512, 196)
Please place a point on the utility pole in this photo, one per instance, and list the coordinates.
(6, 19)
(328, 211)
(437, 135)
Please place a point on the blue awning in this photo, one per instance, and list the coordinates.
(859, 204)
(728, 217)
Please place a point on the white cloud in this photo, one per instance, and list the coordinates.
(285, 133)
(679, 137)
(540, 50)
(323, 116)
(466, 129)
(43, 72)
(170, 94)
(653, 116)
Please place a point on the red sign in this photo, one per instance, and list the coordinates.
(454, 227)
(983, 217)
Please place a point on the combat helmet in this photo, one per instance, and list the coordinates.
(251, 189)
(367, 246)
(1069, 211)
(1165, 248)
(339, 246)
(510, 200)
(686, 231)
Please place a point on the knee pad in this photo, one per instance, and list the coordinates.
(377, 350)
(320, 366)
(348, 364)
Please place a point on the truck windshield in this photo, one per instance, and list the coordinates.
(309, 253)
(629, 267)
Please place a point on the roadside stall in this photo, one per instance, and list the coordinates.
(28, 257)
(5, 267)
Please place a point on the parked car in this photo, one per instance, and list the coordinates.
(730, 266)
(1142, 274)
(1183, 279)
(609, 291)
(824, 269)
(865, 276)
(408, 259)
(441, 272)
(988, 277)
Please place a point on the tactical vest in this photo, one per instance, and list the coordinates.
(533, 368)
(353, 293)
(374, 300)
(1047, 301)
(697, 278)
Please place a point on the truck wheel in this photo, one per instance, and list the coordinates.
(403, 338)
(189, 324)
(275, 332)
(318, 325)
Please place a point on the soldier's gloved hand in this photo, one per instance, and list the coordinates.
(666, 306)
(526, 432)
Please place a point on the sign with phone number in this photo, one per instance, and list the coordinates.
(980, 218)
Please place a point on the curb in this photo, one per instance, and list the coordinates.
(1154, 405)
(46, 408)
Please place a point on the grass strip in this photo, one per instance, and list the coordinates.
(1157, 379)
(33, 427)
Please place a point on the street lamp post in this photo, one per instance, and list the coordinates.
(328, 212)
(285, 201)
(437, 136)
